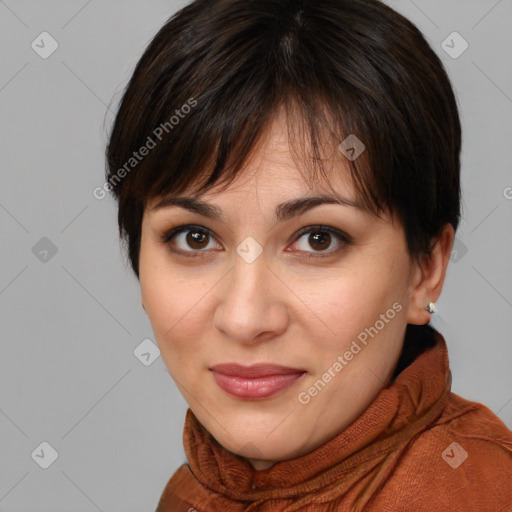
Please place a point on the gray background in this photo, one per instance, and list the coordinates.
(72, 320)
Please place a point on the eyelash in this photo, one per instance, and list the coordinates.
(167, 237)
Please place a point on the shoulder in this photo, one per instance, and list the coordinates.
(475, 426)
(463, 460)
(177, 491)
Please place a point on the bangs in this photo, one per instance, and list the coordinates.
(213, 155)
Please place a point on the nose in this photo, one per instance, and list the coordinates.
(252, 303)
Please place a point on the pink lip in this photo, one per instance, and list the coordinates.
(258, 381)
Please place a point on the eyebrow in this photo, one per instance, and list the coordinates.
(283, 211)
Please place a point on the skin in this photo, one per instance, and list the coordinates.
(283, 308)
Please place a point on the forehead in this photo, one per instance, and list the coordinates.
(284, 153)
(279, 166)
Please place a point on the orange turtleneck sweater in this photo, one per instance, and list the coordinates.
(417, 448)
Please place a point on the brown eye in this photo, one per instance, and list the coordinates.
(188, 240)
(319, 240)
(196, 239)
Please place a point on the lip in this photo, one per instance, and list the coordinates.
(256, 381)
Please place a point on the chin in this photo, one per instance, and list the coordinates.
(251, 439)
(263, 452)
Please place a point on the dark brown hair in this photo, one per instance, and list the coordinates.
(212, 78)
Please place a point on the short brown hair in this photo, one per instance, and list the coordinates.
(340, 67)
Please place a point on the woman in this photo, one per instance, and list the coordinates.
(288, 180)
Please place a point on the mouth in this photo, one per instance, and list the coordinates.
(255, 382)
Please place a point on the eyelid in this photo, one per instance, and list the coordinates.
(171, 233)
(321, 227)
(345, 239)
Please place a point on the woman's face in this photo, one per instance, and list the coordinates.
(250, 289)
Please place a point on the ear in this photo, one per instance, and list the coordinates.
(428, 278)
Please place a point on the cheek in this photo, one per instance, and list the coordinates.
(169, 305)
(160, 292)
(173, 303)
(349, 301)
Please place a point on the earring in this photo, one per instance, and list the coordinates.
(431, 308)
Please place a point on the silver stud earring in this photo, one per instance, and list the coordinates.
(431, 308)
